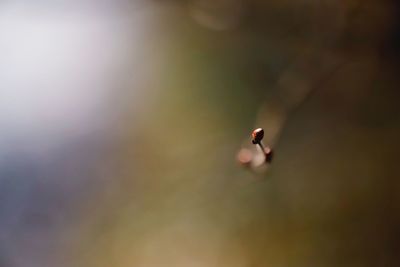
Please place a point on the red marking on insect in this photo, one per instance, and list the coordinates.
(258, 135)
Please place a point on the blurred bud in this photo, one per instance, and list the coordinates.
(244, 157)
(217, 14)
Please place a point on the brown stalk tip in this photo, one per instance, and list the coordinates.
(268, 154)
(258, 135)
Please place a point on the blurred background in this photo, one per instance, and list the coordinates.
(120, 122)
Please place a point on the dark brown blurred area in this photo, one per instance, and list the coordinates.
(120, 134)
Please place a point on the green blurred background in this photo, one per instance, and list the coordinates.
(121, 122)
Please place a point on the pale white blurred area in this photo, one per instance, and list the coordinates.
(61, 69)
(69, 70)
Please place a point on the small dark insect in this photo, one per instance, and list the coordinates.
(258, 135)
(248, 159)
